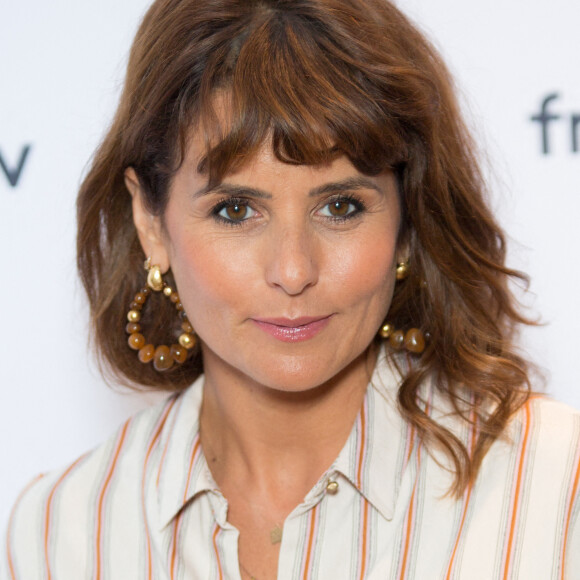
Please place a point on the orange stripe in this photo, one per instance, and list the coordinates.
(154, 439)
(362, 448)
(48, 513)
(517, 493)
(364, 540)
(169, 438)
(11, 523)
(410, 517)
(214, 539)
(467, 498)
(178, 518)
(463, 517)
(569, 516)
(310, 542)
(102, 499)
(411, 514)
(408, 533)
(411, 438)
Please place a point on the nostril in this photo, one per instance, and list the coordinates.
(293, 264)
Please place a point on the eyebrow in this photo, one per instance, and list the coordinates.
(348, 184)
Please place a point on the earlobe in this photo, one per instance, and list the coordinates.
(148, 226)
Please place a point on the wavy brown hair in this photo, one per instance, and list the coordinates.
(319, 78)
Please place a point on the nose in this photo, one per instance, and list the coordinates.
(293, 262)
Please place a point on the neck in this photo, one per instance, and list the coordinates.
(264, 437)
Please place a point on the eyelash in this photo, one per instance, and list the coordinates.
(229, 202)
(356, 202)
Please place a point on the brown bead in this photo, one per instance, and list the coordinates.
(414, 341)
(145, 291)
(147, 353)
(132, 327)
(186, 326)
(136, 341)
(174, 297)
(133, 316)
(135, 305)
(187, 340)
(140, 298)
(179, 306)
(162, 359)
(178, 353)
(397, 339)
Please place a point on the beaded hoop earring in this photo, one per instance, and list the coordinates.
(412, 340)
(163, 356)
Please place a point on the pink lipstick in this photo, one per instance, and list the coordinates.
(292, 330)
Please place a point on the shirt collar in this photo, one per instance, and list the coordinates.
(373, 458)
(377, 450)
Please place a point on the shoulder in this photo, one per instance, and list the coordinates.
(540, 444)
(59, 514)
(551, 427)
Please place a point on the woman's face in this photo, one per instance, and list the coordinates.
(286, 272)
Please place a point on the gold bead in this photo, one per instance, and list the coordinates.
(187, 340)
(386, 330)
(167, 290)
(402, 270)
(133, 316)
(332, 487)
(154, 279)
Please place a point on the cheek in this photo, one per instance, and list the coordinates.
(365, 269)
(209, 280)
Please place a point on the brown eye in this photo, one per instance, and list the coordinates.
(339, 208)
(237, 212)
(342, 208)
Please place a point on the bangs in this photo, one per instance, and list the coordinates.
(285, 79)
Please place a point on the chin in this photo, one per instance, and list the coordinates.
(296, 374)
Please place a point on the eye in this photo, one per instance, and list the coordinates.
(341, 208)
(235, 211)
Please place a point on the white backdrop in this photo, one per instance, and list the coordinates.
(61, 70)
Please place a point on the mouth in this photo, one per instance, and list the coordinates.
(293, 329)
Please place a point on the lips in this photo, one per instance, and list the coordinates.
(293, 330)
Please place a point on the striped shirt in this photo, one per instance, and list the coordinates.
(144, 504)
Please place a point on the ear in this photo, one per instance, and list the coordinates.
(149, 227)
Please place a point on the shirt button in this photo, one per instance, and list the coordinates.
(332, 487)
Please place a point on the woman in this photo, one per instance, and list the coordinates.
(322, 265)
